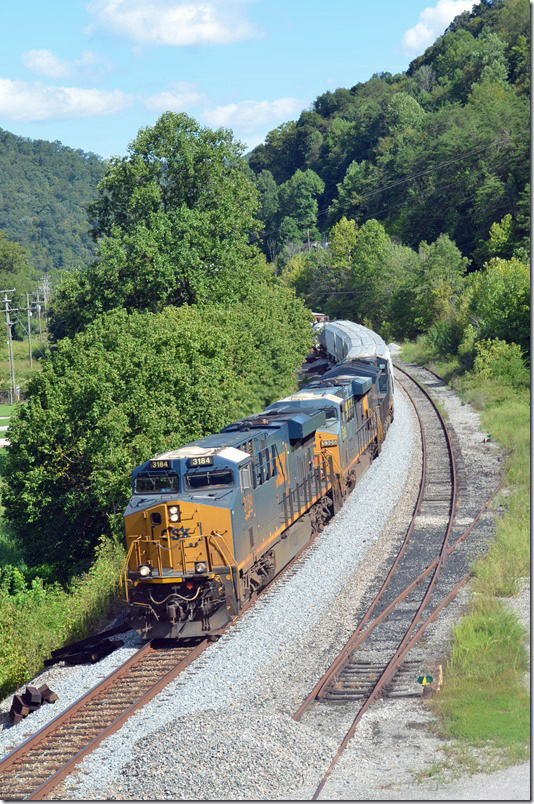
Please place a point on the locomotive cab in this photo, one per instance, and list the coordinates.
(180, 565)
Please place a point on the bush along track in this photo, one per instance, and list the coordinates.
(36, 618)
(484, 702)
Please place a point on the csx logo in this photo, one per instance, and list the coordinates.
(179, 533)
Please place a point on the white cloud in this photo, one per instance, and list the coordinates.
(432, 22)
(44, 62)
(251, 115)
(178, 98)
(174, 22)
(24, 101)
(47, 63)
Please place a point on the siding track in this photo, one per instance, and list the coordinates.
(421, 582)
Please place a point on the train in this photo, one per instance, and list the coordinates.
(211, 523)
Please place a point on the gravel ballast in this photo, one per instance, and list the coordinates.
(69, 682)
(245, 688)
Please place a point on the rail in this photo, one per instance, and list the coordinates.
(39, 764)
(407, 639)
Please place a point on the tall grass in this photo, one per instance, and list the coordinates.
(21, 363)
(37, 618)
(505, 415)
(483, 699)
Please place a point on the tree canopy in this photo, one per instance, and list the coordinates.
(45, 189)
(130, 385)
(173, 223)
(440, 149)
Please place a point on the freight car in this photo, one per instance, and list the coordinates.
(211, 522)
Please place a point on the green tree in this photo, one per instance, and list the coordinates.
(279, 154)
(269, 206)
(429, 290)
(127, 387)
(173, 221)
(299, 206)
(357, 192)
(501, 301)
(373, 280)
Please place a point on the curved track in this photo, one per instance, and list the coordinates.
(415, 581)
(38, 765)
(373, 662)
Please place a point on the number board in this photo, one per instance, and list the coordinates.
(160, 464)
(329, 442)
(202, 460)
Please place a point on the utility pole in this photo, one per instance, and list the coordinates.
(28, 311)
(38, 308)
(9, 346)
(46, 291)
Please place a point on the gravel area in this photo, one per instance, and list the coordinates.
(245, 688)
(69, 682)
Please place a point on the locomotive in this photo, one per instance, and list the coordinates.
(212, 522)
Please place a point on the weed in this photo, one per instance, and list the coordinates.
(483, 703)
(36, 618)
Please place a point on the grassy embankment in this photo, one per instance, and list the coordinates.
(37, 615)
(484, 702)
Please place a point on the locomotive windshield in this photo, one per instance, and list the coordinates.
(219, 478)
(156, 484)
(331, 414)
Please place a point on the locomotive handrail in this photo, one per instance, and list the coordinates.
(222, 550)
(123, 577)
(336, 472)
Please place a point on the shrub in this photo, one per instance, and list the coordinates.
(496, 359)
(501, 301)
(446, 335)
(467, 348)
(38, 618)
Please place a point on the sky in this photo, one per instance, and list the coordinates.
(91, 73)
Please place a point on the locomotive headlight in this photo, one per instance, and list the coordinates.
(200, 566)
(144, 570)
(174, 513)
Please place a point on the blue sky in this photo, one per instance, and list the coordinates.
(90, 73)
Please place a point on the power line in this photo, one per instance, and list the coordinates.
(407, 179)
(425, 172)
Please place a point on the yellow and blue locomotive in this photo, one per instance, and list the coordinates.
(210, 523)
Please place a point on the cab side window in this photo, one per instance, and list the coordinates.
(265, 465)
(245, 476)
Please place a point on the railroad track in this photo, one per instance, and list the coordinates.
(36, 767)
(373, 663)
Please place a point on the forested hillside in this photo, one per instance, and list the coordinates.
(45, 188)
(440, 149)
(404, 202)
